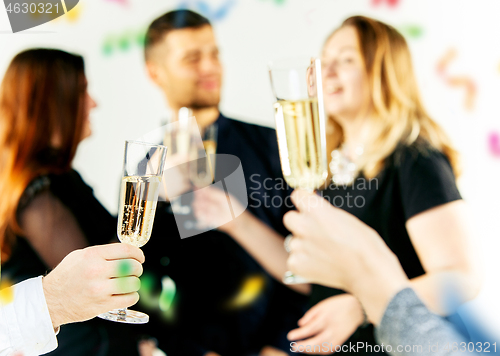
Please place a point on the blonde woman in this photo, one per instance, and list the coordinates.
(393, 168)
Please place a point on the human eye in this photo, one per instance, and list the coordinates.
(192, 58)
(347, 59)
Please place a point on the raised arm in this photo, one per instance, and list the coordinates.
(51, 228)
(258, 239)
(443, 240)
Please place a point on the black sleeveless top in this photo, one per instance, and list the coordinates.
(415, 178)
(93, 337)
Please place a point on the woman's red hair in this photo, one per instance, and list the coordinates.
(41, 121)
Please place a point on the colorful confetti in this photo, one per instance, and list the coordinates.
(73, 15)
(308, 17)
(279, 2)
(167, 295)
(163, 303)
(494, 143)
(119, 2)
(250, 290)
(147, 298)
(123, 42)
(213, 13)
(412, 31)
(457, 81)
(124, 268)
(6, 292)
(391, 3)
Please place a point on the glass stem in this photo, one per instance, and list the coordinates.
(122, 314)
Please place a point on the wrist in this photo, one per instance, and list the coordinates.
(375, 291)
(236, 226)
(56, 310)
(358, 312)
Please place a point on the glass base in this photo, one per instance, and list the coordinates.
(290, 278)
(127, 317)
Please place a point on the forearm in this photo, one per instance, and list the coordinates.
(407, 324)
(265, 245)
(375, 283)
(437, 288)
(376, 288)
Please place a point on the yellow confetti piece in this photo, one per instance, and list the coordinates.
(250, 290)
(6, 293)
(74, 14)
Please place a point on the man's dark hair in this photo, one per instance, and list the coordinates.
(173, 20)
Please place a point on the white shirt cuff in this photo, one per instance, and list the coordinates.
(27, 320)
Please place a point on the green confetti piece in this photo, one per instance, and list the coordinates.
(141, 38)
(413, 31)
(167, 294)
(124, 43)
(147, 298)
(147, 283)
(124, 268)
(108, 46)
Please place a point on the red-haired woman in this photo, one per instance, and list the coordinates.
(47, 210)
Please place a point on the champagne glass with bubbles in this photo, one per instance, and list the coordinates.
(142, 173)
(300, 127)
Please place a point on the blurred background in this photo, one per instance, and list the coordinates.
(455, 54)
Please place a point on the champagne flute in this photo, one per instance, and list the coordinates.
(202, 163)
(178, 137)
(300, 127)
(142, 173)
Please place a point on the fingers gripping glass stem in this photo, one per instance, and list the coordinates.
(289, 277)
(142, 173)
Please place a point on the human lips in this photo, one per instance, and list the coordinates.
(209, 84)
(333, 89)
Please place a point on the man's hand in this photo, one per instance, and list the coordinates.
(92, 281)
(211, 208)
(175, 180)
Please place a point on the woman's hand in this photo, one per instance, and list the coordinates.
(333, 248)
(331, 321)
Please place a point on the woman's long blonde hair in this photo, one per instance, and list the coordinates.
(397, 111)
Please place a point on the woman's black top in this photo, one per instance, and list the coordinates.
(415, 178)
(94, 337)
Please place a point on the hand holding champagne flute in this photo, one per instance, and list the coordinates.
(142, 172)
(300, 127)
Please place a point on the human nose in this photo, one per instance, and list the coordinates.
(92, 102)
(329, 68)
(209, 65)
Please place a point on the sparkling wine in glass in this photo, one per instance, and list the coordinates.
(142, 173)
(179, 138)
(202, 164)
(300, 126)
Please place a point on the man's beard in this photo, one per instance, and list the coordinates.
(198, 103)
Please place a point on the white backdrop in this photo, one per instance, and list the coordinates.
(252, 32)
